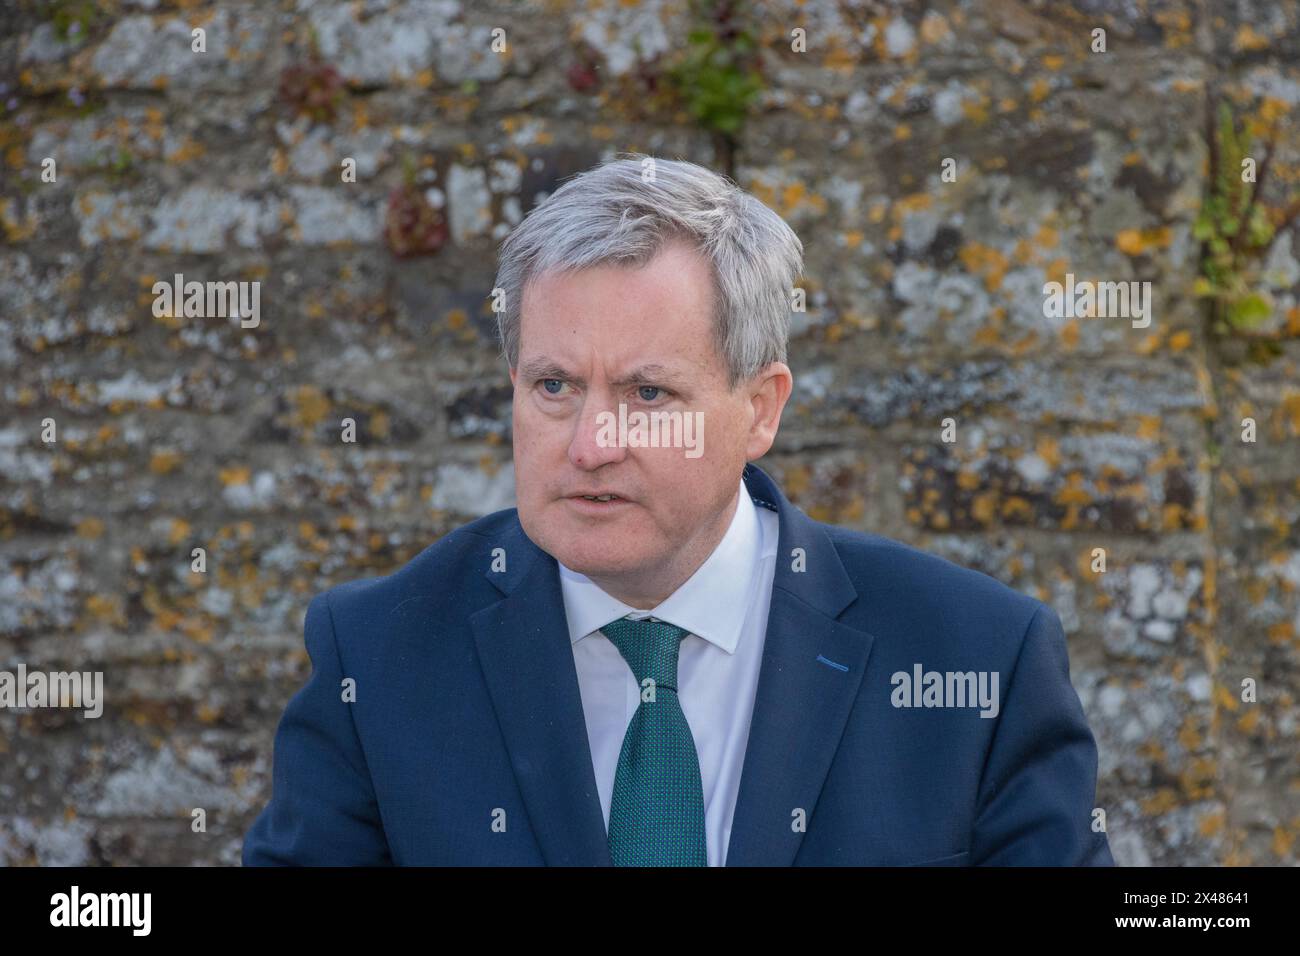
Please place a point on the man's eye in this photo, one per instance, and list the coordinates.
(652, 388)
(547, 382)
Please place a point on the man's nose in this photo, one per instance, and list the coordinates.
(595, 435)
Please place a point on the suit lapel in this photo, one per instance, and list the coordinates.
(812, 668)
(527, 660)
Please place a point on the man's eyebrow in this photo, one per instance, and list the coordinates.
(651, 373)
(543, 367)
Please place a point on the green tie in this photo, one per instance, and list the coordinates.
(656, 815)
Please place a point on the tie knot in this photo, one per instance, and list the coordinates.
(649, 647)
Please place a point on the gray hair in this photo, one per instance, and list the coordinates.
(612, 215)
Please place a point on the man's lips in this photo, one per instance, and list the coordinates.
(594, 505)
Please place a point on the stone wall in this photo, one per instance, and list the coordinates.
(925, 302)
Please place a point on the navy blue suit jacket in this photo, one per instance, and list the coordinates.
(466, 742)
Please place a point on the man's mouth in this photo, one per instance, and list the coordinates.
(598, 502)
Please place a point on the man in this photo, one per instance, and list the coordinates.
(656, 658)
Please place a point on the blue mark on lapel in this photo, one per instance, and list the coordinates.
(838, 667)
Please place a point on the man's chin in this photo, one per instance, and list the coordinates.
(597, 548)
(593, 553)
(595, 562)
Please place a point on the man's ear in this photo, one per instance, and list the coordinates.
(513, 373)
(769, 393)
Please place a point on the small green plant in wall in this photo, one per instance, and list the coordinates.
(1235, 227)
(73, 19)
(720, 73)
(117, 163)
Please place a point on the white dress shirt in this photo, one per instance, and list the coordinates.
(724, 607)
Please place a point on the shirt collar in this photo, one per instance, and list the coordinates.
(711, 603)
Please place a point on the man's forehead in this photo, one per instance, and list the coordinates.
(673, 273)
(677, 344)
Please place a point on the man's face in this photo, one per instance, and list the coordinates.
(644, 337)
